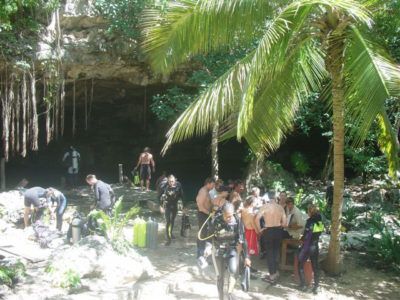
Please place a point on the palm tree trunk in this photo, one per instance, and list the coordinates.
(334, 63)
(214, 151)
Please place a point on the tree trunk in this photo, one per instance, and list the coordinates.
(86, 107)
(24, 113)
(214, 151)
(62, 106)
(17, 117)
(35, 125)
(73, 111)
(334, 64)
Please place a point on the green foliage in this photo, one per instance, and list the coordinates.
(350, 214)
(300, 163)
(387, 25)
(383, 244)
(167, 106)
(298, 197)
(112, 227)
(20, 22)
(9, 275)
(123, 15)
(364, 162)
(313, 115)
(70, 280)
(208, 68)
(275, 177)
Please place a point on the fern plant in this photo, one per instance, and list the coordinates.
(112, 226)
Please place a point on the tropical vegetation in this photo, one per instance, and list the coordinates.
(303, 47)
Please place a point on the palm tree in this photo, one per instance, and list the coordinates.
(302, 46)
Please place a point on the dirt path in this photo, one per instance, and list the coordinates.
(183, 279)
(178, 277)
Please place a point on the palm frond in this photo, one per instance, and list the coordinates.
(193, 27)
(266, 61)
(371, 78)
(280, 99)
(277, 38)
(216, 103)
(387, 142)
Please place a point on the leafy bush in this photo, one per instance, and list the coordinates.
(71, 280)
(275, 177)
(300, 164)
(167, 106)
(9, 275)
(112, 226)
(350, 214)
(383, 244)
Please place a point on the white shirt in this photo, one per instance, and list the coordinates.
(74, 168)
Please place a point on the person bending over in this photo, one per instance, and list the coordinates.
(37, 197)
(58, 206)
(170, 196)
(104, 194)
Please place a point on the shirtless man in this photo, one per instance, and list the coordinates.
(146, 164)
(249, 222)
(235, 197)
(282, 199)
(275, 219)
(204, 205)
(221, 197)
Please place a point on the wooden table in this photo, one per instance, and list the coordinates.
(283, 264)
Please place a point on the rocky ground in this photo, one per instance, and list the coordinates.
(169, 272)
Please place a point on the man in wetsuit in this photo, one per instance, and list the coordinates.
(146, 164)
(170, 196)
(310, 249)
(58, 206)
(228, 239)
(38, 198)
(103, 192)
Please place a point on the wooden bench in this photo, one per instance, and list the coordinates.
(284, 252)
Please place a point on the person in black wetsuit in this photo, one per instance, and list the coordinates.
(105, 197)
(58, 206)
(228, 236)
(170, 195)
(313, 229)
(37, 197)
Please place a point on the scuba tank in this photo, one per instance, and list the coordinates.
(76, 226)
(185, 226)
(151, 234)
(135, 239)
(141, 233)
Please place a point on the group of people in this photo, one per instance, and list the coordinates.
(232, 226)
(253, 225)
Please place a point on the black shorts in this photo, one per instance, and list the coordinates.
(30, 199)
(145, 172)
